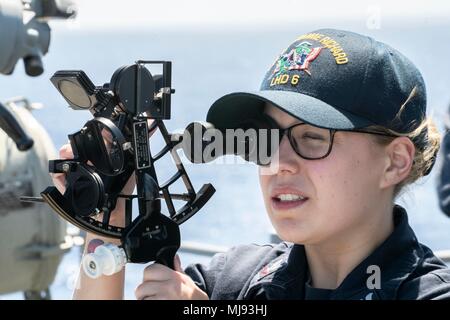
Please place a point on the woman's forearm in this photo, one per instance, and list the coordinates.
(104, 287)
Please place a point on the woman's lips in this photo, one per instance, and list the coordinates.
(278, 204)
(287, 198)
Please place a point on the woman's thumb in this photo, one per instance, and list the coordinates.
(177, 263)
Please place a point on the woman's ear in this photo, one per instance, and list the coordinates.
(399, 160)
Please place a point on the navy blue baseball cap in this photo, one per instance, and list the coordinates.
(334, 79)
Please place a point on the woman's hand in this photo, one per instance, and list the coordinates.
(117, 215)
(162, 283)
(59, 179)
(65, 153)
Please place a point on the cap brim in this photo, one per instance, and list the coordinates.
(232, 109)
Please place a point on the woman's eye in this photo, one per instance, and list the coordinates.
(313, 136)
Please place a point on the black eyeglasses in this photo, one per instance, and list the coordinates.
(314, 143)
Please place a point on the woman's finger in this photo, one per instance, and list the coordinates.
(59, 179)
(177, 263)
(149, 289)
(157, 272)
(65, 152)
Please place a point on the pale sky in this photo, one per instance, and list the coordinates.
(130, 14)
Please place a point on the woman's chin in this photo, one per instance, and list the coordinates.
(291, 231)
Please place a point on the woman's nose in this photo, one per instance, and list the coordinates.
(285, 160)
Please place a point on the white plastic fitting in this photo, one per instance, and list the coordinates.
(107, 259)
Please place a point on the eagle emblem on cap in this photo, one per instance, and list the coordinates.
(297, 58)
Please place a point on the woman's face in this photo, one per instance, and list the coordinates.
(312, 201)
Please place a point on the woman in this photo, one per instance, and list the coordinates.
(354, 133)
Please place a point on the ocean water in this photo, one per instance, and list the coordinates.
(206, 65)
